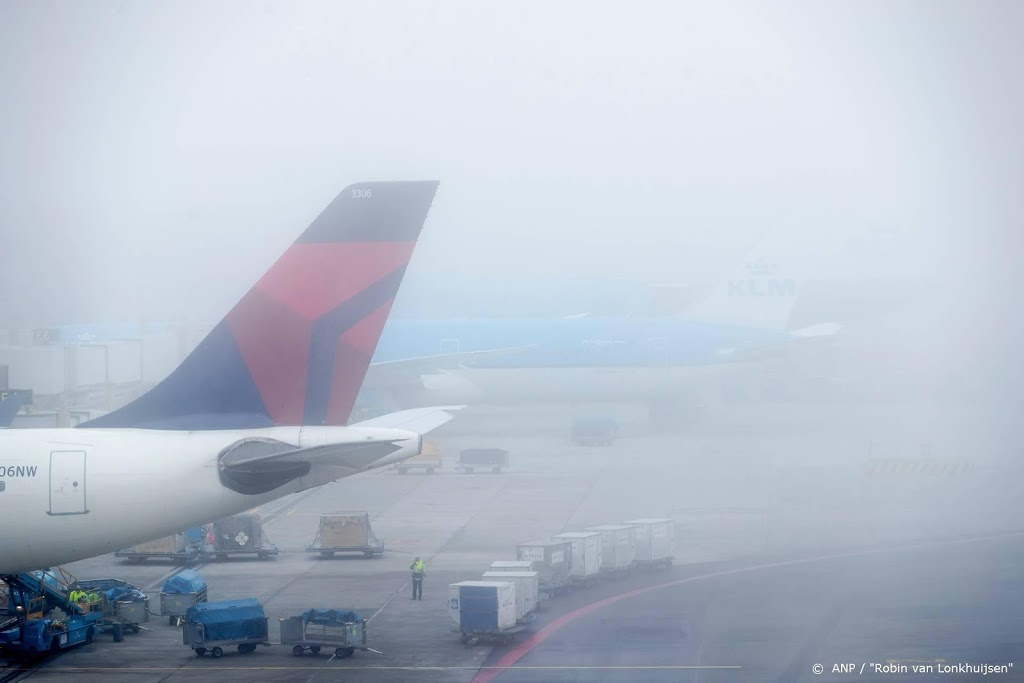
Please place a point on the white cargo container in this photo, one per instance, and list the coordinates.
(482, 606)
(617, 546)
(552, 560)
(586, 552)
(513, 566)
(654, 540)
(527, 589)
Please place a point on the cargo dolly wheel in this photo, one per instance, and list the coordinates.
(247, 648)
(315, 649)
(217, 652)
(298, 650)
(200, 651)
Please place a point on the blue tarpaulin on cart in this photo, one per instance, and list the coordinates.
(186, 581)
(330, 617)
(230, 619)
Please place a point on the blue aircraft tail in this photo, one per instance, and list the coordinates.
(9, 408)
(295, 349)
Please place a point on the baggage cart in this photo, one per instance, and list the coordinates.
(346, 532)
(586, 555)
(181, 592)
(654, 542)
(122, 606)
(618, 550)
(213, 626)
(342, 631)
(552, 561)
(527, 591)
(484, 610)
(493, 459)
(240, 535)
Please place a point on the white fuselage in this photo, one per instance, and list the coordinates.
(68, 494)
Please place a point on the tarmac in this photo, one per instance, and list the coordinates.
(805, 535)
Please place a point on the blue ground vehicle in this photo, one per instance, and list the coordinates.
(40, 619)
(213, 626)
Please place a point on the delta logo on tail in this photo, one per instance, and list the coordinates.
(295, 349)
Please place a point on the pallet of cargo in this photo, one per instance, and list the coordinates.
(345, 532)
(182, 548)
(239, 535)
(342, 631)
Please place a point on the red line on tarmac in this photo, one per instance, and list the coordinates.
(488, 673)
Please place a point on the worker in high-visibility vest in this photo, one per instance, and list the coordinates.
(418, 569)
(77, 597)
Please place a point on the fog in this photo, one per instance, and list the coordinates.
(156, 158)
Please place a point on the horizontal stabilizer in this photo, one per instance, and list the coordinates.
(821, 330)
(419, 420)
(399, 372)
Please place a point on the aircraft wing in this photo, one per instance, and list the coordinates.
(259, 459)
(401, 372)
(266, 455)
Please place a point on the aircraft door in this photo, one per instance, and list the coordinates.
(67, 483)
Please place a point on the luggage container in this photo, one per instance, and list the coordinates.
(527, 591)
(121, 605)
(241, 535)
(342, 631)
(181, 592)
(493, 459)
(552, 561)
(345, 532)
(183, 548)
(213, 626)
(483, 609)
(617, 547)
(654, 541)
(429, 460)
(513, 566)
(586, 554)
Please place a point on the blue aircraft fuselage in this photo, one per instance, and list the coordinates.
(573, 342)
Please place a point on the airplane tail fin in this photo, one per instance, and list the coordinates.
(9, 408)
(295, 349)
(762, 292)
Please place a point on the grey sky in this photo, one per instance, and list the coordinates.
(158, 156)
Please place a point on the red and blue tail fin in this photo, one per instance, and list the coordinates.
(9, 407)
(296, 348)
